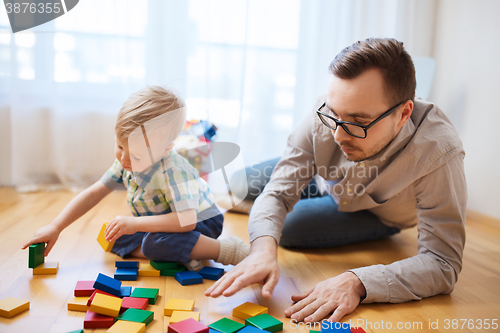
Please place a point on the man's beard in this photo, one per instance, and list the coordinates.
(375, 150)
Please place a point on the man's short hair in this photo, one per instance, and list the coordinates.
(386, 54)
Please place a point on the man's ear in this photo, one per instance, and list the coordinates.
(406, 113)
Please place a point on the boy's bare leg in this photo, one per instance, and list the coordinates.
(205, 248)
(137, 252)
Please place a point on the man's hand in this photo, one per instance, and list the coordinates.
(121, 225)
(47, 234)
(340, 295)
(261, 266)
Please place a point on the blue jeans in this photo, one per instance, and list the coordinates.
(315, 221)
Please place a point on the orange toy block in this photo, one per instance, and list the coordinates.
(48, 267)
(178, 305)
(106, 246)
(10, 306)
(78, 304)
(247, 310)
(106, 305)
(123, 326)
(183, 315)
(147, 270)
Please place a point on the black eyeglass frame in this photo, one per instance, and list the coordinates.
(342, 123)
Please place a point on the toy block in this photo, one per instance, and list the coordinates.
(211, 273)
(332, 326)
(35, 255)
(49, 267)
(178, 316)
(188, 278)
(150, 293)
(171, 272)
(226, 325)
(78, 304)
(106, 246)
(134, 303)
(126, 274)
(148, 270)
(127, 264)
(251, 329)
(95, 320)
(187, 326)
(122, 326)
(84, 288)
(265, 322)
(161, 265)
(247, 310)
(77, 331)
(178, 305)
(137, 315)
(125, 291)
(108, 284)
(106, 305)
(10, 306)
(357, 330)
(97, 291)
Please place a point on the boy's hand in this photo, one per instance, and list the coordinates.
(120, 225)
(47, 234)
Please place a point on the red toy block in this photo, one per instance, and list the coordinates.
(357, 330)
(84, 288)
(97, 291)
(188, 326)
(135, 303)
(95, 320)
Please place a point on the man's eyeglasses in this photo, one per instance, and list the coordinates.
(356, 130)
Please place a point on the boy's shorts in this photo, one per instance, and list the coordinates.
(177, 247)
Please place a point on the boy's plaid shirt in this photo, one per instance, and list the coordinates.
(171, 185)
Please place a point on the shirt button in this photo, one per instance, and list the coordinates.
(362, 164)
(344, 203)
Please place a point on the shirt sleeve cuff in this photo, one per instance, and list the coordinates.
(375, 282)
(112, 184)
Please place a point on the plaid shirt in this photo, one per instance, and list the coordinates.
(171, 185)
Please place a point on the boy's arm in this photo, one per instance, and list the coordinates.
(78, 206)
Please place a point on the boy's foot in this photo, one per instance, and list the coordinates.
(194, 265)
(232, 251)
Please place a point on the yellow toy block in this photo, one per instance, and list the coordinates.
(106, 305)
(78, 304)
(183, 315)
(147, 270)
(10, 306)
(122, 326)
(48, 267)
(247, 310)
(106, 246)
(178, 305)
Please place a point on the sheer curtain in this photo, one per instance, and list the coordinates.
(252, 67)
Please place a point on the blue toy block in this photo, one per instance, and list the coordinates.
(126, 274)
(334, 327)
(189, 277)
(127, 264)
(108, 284)
(251, 329)
(125, 291)
(211, 273)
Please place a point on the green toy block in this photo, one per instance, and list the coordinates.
(265, 322)
(150, 293)
(77, 331)
(161, 265)
(137, 315)
(172, 271)
(226, 325)
(36, 257)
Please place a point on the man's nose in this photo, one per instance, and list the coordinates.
(341, 135)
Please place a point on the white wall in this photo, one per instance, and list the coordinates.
(5, 148)
(467, 87)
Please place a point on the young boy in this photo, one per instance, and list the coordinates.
(174, 216)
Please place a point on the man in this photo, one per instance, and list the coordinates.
(391, 161)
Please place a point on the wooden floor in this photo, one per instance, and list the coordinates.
(476, 296)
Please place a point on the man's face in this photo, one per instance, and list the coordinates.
(361, 100)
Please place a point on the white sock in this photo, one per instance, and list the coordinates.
(232, 251)
(194, 265)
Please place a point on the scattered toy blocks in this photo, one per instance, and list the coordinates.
(188, 278)
(125, 291)
(265, 322)
(178, 316)
(187, 326)
(126, 274)
(137, 315)
(127, 264)
(78, 304)
(226, 325)
(148, 270)
(97, 291)
(357, 330)
(134, 303)
(84, 288)
(247, 310)
(106, 246)
(178, 305)
(150, 293)
(171, 272)
(106, 305)
(122, 326)
(108, 284)
(10, 306)
(332, 326)
(35, 255)
(49, 267)
(161, 265)
(95, 320)
(211, 273)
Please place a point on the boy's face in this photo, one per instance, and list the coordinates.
(135, 156)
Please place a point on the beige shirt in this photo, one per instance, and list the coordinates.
(418, 179)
